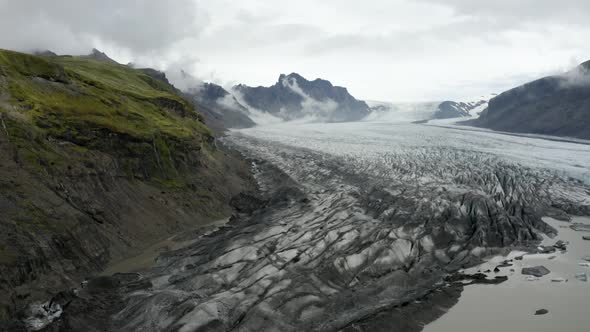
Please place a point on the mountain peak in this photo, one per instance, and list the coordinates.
(294, 76)
(99, 56)
(44, 53)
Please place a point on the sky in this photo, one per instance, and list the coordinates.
(389, 50)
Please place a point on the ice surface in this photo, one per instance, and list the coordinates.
(369, 145)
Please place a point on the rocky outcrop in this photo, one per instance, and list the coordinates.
(554, 105)
(294, 97)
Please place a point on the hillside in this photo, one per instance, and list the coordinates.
(555, 105)
(220, 108)
(294, 97)
(97, 160)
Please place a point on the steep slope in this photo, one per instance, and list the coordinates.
(220, 108)
(554, 105)
(294, 97)
(97, 160)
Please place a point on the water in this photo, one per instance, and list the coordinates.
(510, 306)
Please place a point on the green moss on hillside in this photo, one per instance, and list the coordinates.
(98, 106)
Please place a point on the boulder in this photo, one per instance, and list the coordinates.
(541, 312)
(546, 249)
(537, 271)
(561, 245)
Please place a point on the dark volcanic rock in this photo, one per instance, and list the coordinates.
(541, 312)
(294, 97)
(537, 271)
(554, 105)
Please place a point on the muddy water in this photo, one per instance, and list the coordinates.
(148, 257)
(510, 306)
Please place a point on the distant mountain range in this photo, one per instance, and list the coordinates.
(555, 105)
(424, 111)
(452, 109)
(221, 109)
(294, 97)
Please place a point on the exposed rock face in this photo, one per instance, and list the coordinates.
(554, 105)
(113, 166)
(220, 108)
(452, 109)
(294, 97)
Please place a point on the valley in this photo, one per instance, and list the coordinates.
(356, 232)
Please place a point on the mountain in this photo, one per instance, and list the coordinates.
(554, 105)
(425, 111)
(98, 56)
(452, 109)
(294, 97)
(401, 112)
(220, 108)
(97, 161)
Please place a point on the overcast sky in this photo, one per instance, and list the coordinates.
(391, 50)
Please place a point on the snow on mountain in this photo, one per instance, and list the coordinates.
(424, 111)
(401, 112)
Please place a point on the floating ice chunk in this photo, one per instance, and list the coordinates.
(585, 264)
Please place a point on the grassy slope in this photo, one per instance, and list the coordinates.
(96, 159)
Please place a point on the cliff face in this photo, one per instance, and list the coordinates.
(295, 97)
(97, 160)
(554, 105)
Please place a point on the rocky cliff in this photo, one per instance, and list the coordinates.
(555, 105)
(294, 97)
(97, 160)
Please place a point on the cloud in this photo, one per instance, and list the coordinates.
(397, 50)
(521, 11)
(577, 77)
(312, 109)
(75, 26)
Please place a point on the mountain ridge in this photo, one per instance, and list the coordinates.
(294, 97)
(556, 105)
